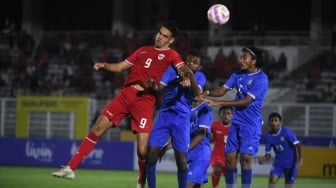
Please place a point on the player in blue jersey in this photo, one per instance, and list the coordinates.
(251, 84)
(287, 149)
(199, 154)
(173, 118)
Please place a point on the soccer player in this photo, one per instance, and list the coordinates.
(134, 98)
(173, 118)
(219, 132)
(251, 84)
(287, 148)
(199, 149)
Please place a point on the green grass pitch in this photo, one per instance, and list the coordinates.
(30, 177)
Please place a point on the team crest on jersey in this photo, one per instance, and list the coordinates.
(161, 56)
(249, 82)
(282, 139)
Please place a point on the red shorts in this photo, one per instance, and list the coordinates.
(217, 160)
(130, 101)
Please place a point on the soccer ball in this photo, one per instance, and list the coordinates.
(218, 14)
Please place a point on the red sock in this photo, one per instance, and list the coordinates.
(215, 176)
(142, 171)
(87, 145)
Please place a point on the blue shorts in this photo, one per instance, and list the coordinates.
(174, 125)
(197, 172)
(289, 173)
(243, 139)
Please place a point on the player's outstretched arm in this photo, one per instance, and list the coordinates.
(217, 92)
(231, 103)
(112, 67)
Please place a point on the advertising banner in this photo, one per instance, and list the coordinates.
(167, 163)
(318, 162)
(51, 152)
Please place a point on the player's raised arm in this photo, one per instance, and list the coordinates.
(112, 67)
(236, 103)
(193, 83)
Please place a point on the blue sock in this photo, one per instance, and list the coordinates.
(182, 178)
(246, 178)
(231, 178)
(151, 175)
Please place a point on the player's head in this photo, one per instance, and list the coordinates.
(274, 122)
(166, 35)
(251, 57)
(172, 27)
(225, 113)
(193, 61)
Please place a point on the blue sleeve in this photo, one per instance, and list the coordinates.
(205, 118)
(168, 76)
(292, 137)
(230, 83)
(267, 144)
(200, 79)
(258, 87)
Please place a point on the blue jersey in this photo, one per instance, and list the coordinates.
(283, 144)
(174, 114)
(254, 85)
(199, 156)
(176, 97)
(201, 117)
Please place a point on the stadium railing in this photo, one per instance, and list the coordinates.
(306, 119)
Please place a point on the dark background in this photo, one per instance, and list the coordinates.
(191, 14)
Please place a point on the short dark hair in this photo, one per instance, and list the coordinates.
(222, 108)
(172, 27)
(275, 114)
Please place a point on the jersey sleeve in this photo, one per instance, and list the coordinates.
(292, 137)
(205, 118)
(213, 127)
(176, 58)
(200, 79)
(258, 87)
(267, 144)
(132, 59)
(169, 75)
(230, 83)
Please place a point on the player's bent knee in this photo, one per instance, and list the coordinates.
(181, 166)
(273, 179)
(152, 155)
(217, 172)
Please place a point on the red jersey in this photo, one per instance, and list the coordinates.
(219, 133)
(150, 62)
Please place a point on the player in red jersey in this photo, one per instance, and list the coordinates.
(220, 132)
(134, 99)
